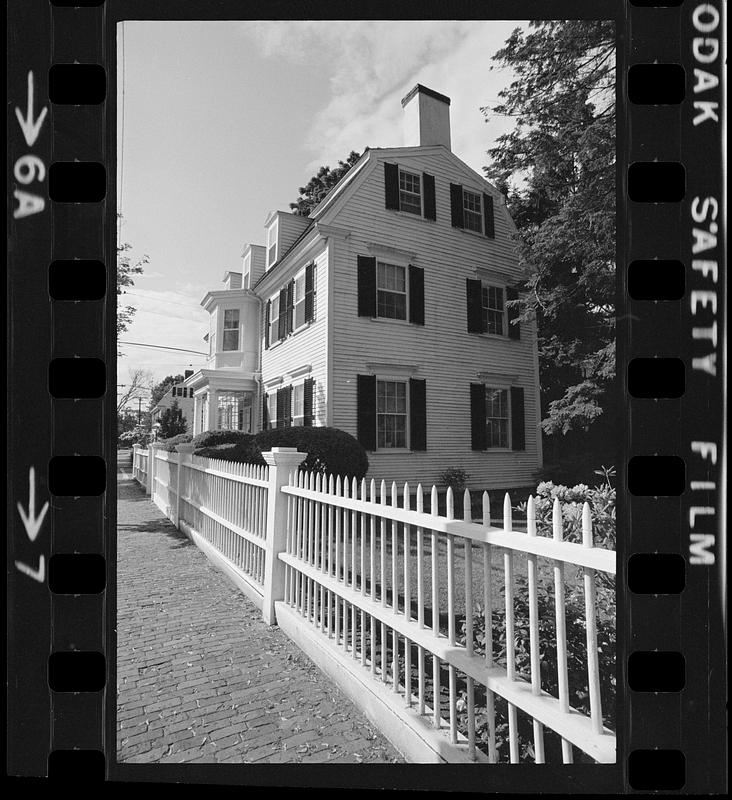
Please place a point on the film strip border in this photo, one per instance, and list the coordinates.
(62, 354)
(675, 290)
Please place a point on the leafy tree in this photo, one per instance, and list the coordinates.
(320, 184)
(125, 270)
(557, 170)
(172, 421)
(161, 389)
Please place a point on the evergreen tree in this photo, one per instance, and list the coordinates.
(557, 170)
(320, 184)
(172, 422)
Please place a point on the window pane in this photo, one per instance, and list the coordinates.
(231, 318)
(231, 339)
(496, 403)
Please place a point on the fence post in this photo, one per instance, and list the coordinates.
(135, 461)
(151, 449)
(185, 451)
(281, 461)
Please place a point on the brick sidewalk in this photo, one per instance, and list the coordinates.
(200, 677)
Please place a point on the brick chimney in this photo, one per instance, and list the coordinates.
(426, 118)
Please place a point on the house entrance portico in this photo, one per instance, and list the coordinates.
(223, 402)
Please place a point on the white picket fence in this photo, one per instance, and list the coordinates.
(384, 593)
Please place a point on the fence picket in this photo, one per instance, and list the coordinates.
(534, 653)
(561, 627)
(593, 666)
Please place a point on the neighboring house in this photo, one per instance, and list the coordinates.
(180, 393)
(384, 314)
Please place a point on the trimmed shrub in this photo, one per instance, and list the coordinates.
(330, 450)
(215, 438)
(169, 444)
(454, 478)
(244, 451)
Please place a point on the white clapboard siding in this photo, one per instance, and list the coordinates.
(444, 354)
(307, 346)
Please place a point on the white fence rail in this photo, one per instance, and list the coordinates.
(410, 601)
(139, 465)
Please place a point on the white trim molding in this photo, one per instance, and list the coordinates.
(397, 370)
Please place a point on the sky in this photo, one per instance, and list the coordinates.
(220, 123)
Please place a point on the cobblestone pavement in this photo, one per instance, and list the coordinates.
(201, 677)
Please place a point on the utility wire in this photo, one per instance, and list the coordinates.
(162, 347)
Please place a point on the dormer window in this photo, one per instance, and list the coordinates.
(271, 244)
(231, 329)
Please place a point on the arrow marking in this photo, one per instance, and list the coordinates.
(30, 127)
(37, 574)
(30, 521)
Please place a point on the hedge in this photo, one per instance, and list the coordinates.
(330, 450)
(169, 444)
(215, 438)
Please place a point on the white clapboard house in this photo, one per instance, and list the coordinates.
(384, 313)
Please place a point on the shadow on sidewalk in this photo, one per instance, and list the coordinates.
(156, 527)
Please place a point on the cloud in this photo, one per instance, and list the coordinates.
(370, 66)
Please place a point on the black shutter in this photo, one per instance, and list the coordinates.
(430, 209)
(518, 425)
(477, 416)
(268, 309)
(309, 292)
(391, 186)
(366, 286)
(490, 229)
(290, 308)
(265, 418)
(456, 205)
(307, 403)
(512, 313)
(474, 295)
(366, 411)
(416, 295)
(417, 414)
(282, 319)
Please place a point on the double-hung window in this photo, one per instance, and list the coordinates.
(272, 244)
(497, 420)
(493, 310)
(272, 410)
(231, 329)
(391, 291)
(298, 404)
(299, 299)
(274, 318)
(410, 192)
(391, 414)
(472, 211)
